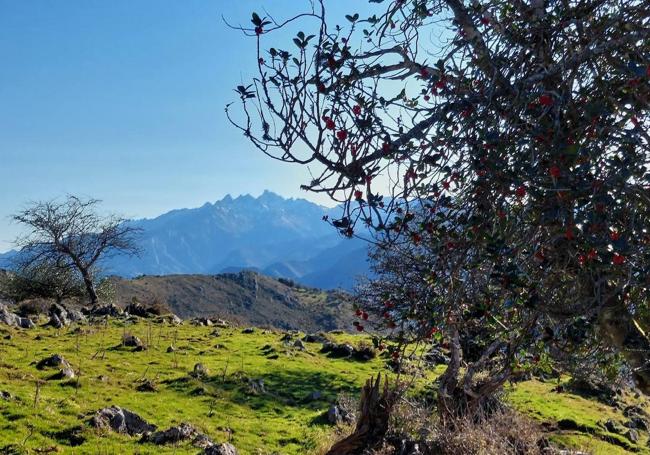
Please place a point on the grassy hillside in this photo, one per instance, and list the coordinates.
(246, 297)
(47, 414)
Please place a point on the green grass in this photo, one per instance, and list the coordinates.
(279, 421)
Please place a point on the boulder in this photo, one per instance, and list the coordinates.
(66, 373)
(132, 341)
(338, 413)
(248, 330)
(221, 449)
(338, 350)
(121, 421)
(298, 344)
(4, 395)
(202, 441)
(13, 320)
(172, 435)
(436, 357)
(53, 361)
(613, 427)
(60, 316)
(315, 338)
(200, 371)
(633, 436)
(106, 310)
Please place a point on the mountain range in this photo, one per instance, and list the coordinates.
(269, 234)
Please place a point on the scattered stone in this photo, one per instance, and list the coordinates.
(633, 410)
(632, 435)
(215, 333)
(53, 361)
(171, 349)
(221, 449)
(248, 330)
(298, 344)
(202, 322)
(338, 413)
(436, 357)
(202, 441)
(315, 338)
(106, 310)
(286, 337)
(5, 395)
(256, 386)
(132, 341)
(221, 323)
(172, 435)
(613, 427)
(637, 423)
(174, 319)
(364, 353)
(60, 316)
(147, 385)
(121, 421)
(338, 350)
(13, 320)
(200, 371)
(66, 373)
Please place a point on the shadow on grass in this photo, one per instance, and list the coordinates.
(302, 389)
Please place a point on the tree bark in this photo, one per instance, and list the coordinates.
(372, 425)
(624, 333)
(90, 287)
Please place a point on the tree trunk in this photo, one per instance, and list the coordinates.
(447, 396)
(372, 424)
(90, 287)
(624, 333)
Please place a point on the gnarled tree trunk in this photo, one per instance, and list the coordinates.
(372, 424)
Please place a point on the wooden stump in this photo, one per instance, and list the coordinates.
(372, 424)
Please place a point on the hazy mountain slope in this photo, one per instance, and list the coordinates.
(280, 237)
(246, 297)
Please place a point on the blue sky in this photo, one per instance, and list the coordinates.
(123, 100)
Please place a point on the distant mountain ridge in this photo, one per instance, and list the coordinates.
(270, 234)
(276, 236)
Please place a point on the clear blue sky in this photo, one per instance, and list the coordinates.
(123, 100)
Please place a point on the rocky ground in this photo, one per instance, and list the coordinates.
(115, 383)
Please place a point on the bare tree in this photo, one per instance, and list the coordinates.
(72, 235)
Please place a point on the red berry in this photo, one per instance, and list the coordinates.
(555, 171)
(581, 259)
(360, 328)
(485, 20)
(329, 123)
(614, 235)
(569, 233)
(592, 254)
(546, 100)
(395, 355)
(358, 312)
(356, 110)
(364, 316)
(341, 135)
(259, 30)
(358, 195)
(520, 191)
(618, 259)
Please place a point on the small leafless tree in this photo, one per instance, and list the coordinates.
(72, 235)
